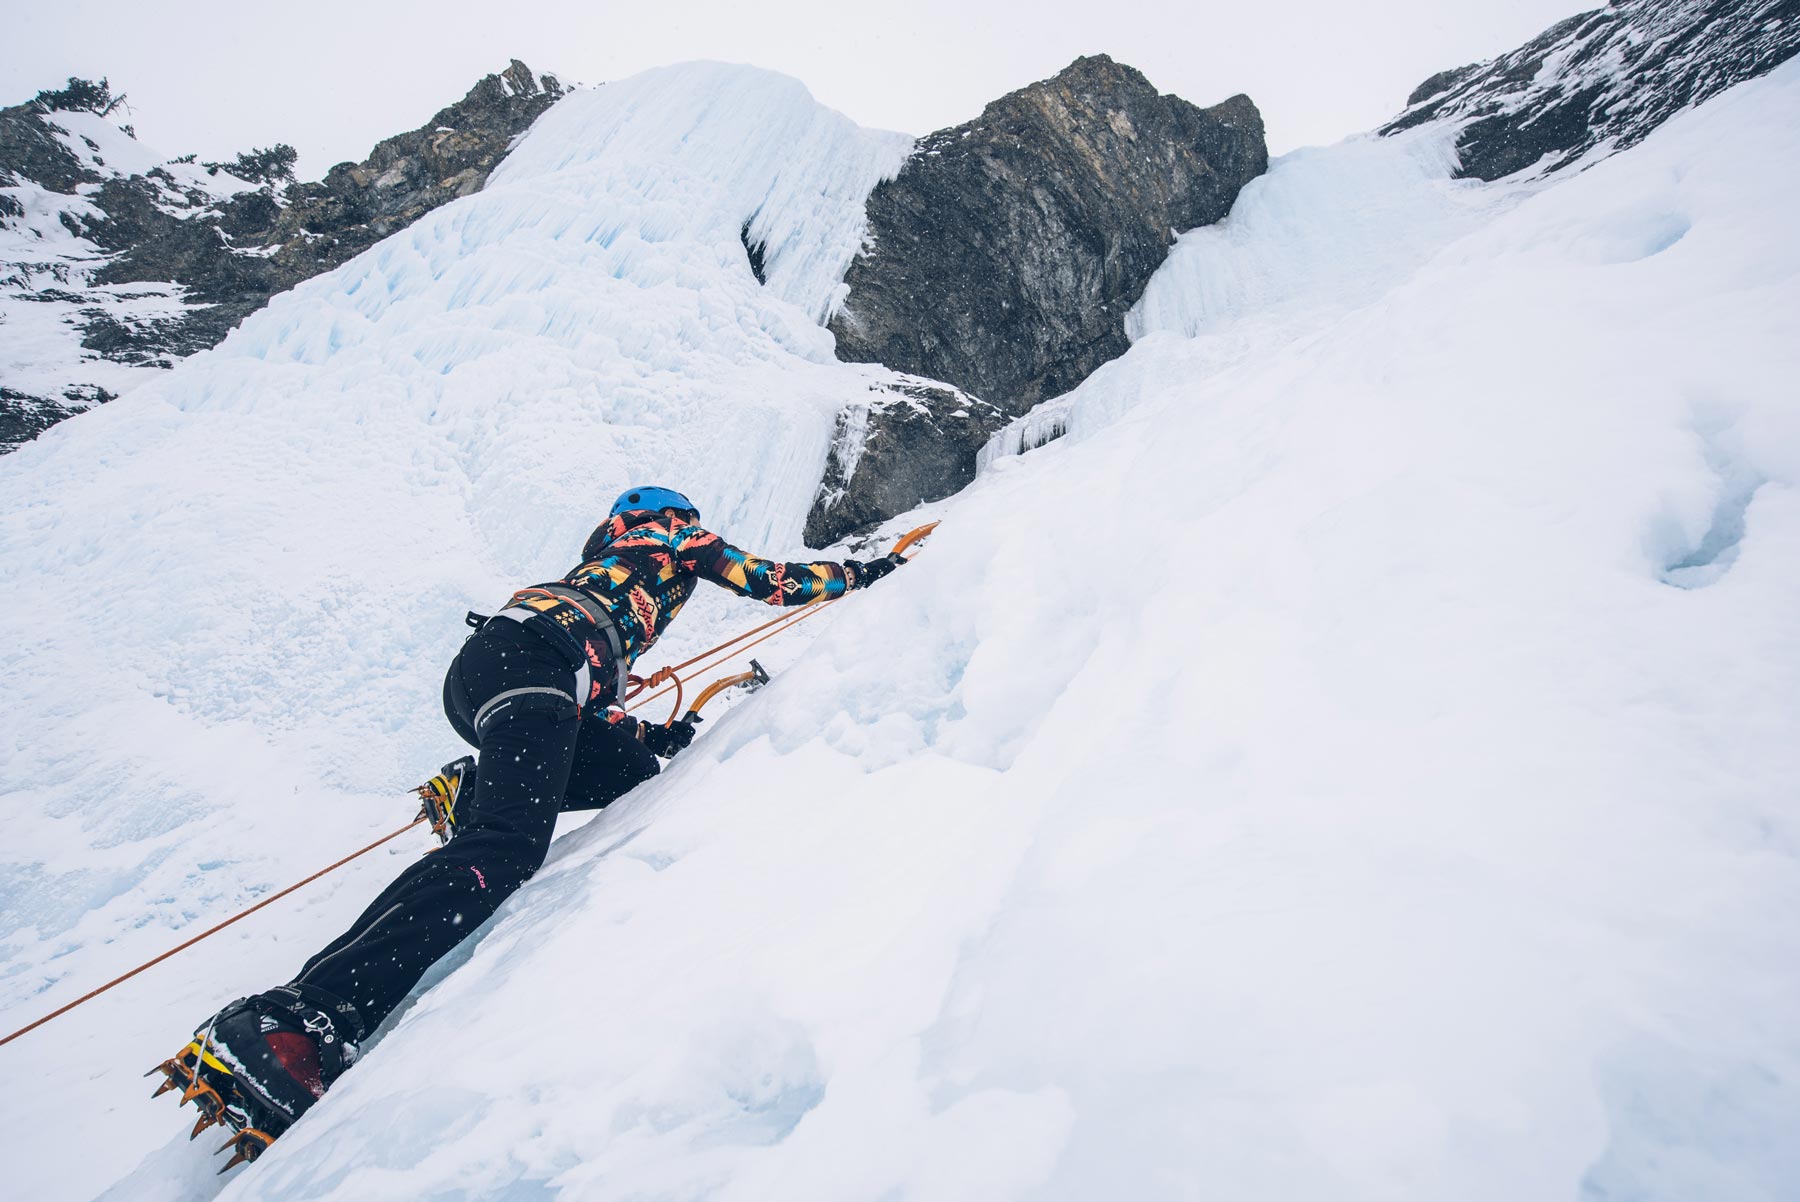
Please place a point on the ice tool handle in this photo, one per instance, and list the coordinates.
(910, 537)
(752, 680)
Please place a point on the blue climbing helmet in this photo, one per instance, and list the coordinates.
(651, 497)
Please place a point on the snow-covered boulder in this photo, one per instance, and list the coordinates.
(911, 441)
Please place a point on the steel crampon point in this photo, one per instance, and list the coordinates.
(206, 1081)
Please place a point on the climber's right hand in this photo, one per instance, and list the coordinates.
(863, 573)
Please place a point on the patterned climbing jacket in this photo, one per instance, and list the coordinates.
(640, 568)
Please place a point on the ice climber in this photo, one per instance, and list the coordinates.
(530, 690)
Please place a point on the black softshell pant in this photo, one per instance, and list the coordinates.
(538, 757)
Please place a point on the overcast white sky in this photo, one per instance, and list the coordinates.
(333, 77)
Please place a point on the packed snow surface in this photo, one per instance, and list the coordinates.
(1355, 762)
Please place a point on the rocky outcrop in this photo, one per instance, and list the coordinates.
(24, 416)
(1003, 257)
(144, 268)
(1443, 81)
(999, 265)
(1603, 79)
(321, 225)
(912, 441)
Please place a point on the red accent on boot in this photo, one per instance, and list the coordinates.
(300, 1057)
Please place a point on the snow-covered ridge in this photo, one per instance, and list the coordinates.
(116, 262)
(1601, 81)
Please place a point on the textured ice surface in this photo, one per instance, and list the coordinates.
(1303, 780)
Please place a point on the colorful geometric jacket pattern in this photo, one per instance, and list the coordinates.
(642, 567)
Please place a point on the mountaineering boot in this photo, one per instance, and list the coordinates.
(285, 1047)
(438, 795)
(257, 1065)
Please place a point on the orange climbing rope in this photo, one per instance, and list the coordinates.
(659, 677)
(662, 676)
(213, 930)
(787, 622)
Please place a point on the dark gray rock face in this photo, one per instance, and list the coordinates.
(1002, 260)
(29, 150)
(1003, 257)
(24, 416)
(1605, 77)
(161, 265)
(1443, 81)
(911, 441)
(322, 225)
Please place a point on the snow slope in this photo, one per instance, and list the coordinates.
(1356, 762)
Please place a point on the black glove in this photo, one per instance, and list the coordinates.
(667, 740)
(864, 573)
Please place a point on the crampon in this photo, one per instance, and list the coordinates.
(437, 796)
(204, 1080)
